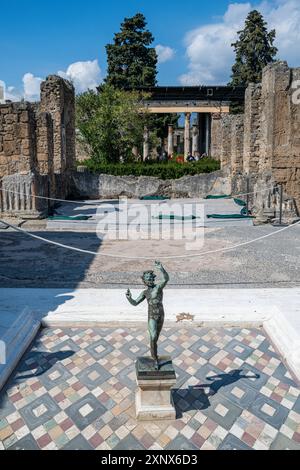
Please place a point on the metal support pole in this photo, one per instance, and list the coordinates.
(248, 194)
(281, 204)
(279, 222)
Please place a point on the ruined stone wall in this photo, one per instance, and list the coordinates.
(264, 144)
(17, 138)
(228, 141)
(37, 149)
(26, 159)
(251, 153)
(58, 99)
(44, 144)
(237, 144)
(90, 185)
(216, 136)
(280, 128)
(292, 176)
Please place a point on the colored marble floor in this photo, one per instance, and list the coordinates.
(75, 390)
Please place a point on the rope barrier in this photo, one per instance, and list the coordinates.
(100, 202)
(79, 250)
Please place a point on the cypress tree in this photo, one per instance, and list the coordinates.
(132, 63)
(131, 60)
(254, 50)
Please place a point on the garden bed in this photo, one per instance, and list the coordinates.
(164, 171)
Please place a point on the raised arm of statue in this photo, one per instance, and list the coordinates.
(136, 302)
(164, 273)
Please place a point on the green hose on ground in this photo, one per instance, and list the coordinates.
(175, 217)
(240, 202)
(64, 217)
(230, 216)
(222, 196)
(243, 214)
(154, 198)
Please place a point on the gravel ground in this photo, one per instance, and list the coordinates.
(274, 261)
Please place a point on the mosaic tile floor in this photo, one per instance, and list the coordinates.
(75, 390)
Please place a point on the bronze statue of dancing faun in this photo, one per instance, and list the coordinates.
(154, 296)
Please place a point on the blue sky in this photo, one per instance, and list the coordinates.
(40, 38)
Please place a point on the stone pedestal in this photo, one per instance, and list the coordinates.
(153, 397)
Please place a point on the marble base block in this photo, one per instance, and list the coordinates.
(153, 397)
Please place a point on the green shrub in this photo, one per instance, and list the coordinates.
(170, 170)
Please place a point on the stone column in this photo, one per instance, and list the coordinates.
(135, 152)
(187, 134)
(195, 134)
(170, 140)
(207, 133)
(146, 144)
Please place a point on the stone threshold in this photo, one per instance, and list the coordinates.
(16, 336)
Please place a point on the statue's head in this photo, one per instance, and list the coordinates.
(149, 278)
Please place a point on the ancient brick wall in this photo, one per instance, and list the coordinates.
(44, 144)
(58, 99)
(26, 159)
(265, 142)
(237, 143)
(228, 141)
(251, 153)
(281, 128)
(293, 165)
(17, 138)
(37, 148)
(216, 136)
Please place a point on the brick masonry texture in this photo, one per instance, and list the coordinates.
(75, 389)
(37, 147)
(265, 140)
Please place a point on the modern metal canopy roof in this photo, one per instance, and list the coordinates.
(196, 93)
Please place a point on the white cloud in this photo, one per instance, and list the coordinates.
(164, 53)
(10, 93)
(285, 18)
(31, 87)
(209, 50)
(84, 75)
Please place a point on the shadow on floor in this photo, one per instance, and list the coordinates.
(196, 398)
(40, 362)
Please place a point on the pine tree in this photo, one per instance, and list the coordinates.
(254, 50)
(131, 61)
